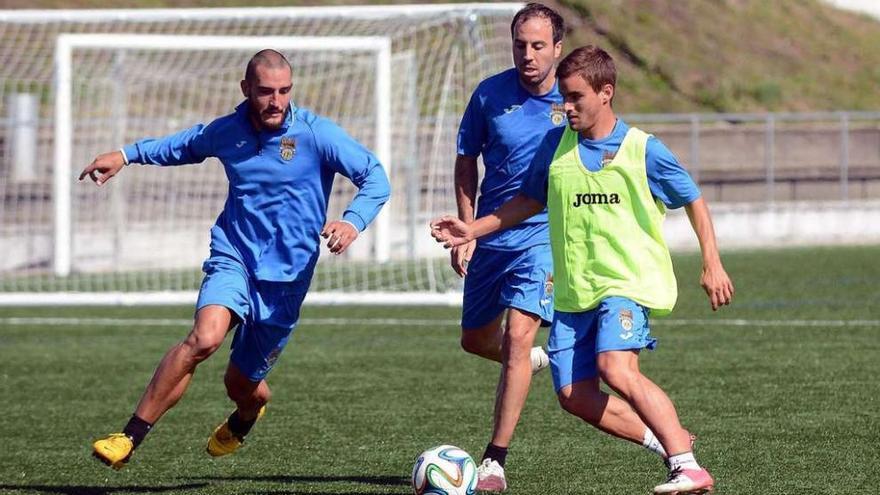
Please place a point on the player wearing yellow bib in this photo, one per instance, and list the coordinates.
(606, 187)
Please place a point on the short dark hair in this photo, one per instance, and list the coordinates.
(592, 63)
(267, 58)
(539, 10)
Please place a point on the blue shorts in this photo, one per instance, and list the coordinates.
(267, 311)
(617, 324)
(497, 280)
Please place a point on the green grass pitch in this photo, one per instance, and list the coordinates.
(781, 388)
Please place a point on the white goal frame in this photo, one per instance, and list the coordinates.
(66, 43)
(64, 175)
(60, 29)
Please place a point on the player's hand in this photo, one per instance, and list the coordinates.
(461, 256)
(451, 231)
(104, 167)
(339, 235)
(717, 285)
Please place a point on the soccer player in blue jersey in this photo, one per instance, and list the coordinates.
(606, 186)
(280, 161)
(511, 271)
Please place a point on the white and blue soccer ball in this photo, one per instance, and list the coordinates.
(444, 470)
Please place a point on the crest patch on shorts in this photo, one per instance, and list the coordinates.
(626, 323)
(548, 290)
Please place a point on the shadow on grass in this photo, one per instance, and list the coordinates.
(366, 480)
(392, 481)
(98, 490)
(291, 492)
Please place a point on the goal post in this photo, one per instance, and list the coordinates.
(66, 44)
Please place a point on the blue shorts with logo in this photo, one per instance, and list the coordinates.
(267, 311)
(497, 280)
(576, 339)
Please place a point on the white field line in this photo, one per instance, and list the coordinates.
(417, 322)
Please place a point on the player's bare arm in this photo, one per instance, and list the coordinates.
(339, 234)
(466, 179)
(453, 232)
(714, 279)
(104, 167)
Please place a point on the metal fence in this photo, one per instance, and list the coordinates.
(775, 156)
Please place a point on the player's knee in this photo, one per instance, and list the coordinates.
(566, 402)
(263, 395)
(576, 406)
(202, 342)
(620, 378)
(520, 338)
(472, 344)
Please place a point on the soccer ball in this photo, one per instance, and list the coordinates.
(444, 470)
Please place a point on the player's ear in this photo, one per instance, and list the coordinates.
(607, 93)
(245, 87)
(557, 50)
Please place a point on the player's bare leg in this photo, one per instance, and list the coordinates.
(484, 341)
(620, 370)
(513, 349)
(168, 384)
(516, 373)
(608, 413)
(249, 396)
(176, 369)
(250, 399)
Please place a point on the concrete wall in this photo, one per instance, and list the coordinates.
(759, 225)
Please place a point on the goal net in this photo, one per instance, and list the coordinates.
(78, 83)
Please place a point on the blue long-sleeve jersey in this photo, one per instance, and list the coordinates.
(279, 186)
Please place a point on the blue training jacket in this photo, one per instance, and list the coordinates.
(279, 186)
(505, 123)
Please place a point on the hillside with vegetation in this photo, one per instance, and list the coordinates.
(692, 55)
(735, 55)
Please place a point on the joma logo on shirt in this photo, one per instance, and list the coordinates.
(582, 199)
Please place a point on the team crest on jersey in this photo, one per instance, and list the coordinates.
(557, 113)
(288, 148)
(626, 323)
(607, 157)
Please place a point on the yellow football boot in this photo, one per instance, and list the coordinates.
(223, 441)
(114, 451)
